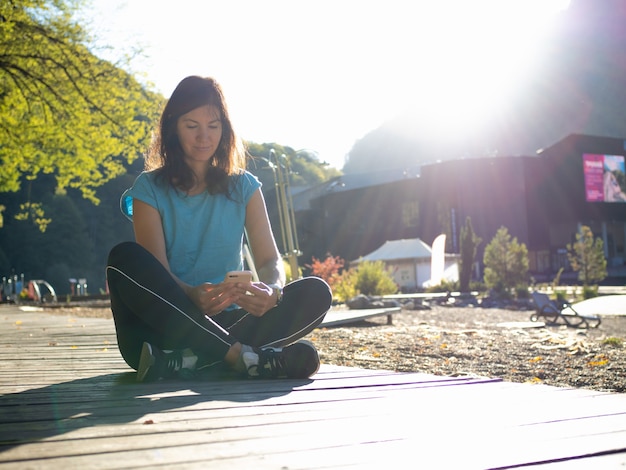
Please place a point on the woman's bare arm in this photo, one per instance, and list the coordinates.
(267, 259)
(210, 298)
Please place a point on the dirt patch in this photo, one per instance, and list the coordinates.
(452, 341)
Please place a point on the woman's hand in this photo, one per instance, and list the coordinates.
(259, 300)
(213, 298)
(256, 298)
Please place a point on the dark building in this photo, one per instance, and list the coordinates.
(582, 177)
(358, 221)
(542, 200)
(352, 215)
(491, 191)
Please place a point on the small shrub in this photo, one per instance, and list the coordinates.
(445, 286)
(344, 286)
(499, 292)
(478, 286)
(560, 296)
(368, 278)
(327, 269)
(372, 278)
(287, 267)
(288, 275)
(590, 292)
(613, 341)
(521, 292)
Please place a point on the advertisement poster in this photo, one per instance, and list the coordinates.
(605, 179)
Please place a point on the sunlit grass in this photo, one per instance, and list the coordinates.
(613, 341)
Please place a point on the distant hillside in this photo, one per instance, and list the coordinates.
(581, 89)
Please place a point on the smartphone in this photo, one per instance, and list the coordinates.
(239, 276)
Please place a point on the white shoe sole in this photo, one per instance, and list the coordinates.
(146, 361)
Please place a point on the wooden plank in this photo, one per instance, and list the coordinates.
(343, 317)
(235, 437)
(76, 404)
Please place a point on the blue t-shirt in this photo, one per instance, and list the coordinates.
(203, 233)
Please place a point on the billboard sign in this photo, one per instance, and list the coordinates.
(605, 179)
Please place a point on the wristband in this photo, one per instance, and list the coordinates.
(279, 293)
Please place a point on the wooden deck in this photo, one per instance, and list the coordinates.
(68, 400)
(336, 317)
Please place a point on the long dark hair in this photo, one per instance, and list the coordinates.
(166, 153)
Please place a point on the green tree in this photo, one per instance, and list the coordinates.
(64, 111)
(304, 166)
(586, 256)
(469, 244)
(66, 239)
(506, 263)
(32, 252)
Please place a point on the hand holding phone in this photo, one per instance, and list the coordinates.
(239, 276)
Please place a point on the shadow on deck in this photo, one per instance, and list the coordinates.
(69, 400)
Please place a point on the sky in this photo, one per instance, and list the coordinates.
(320, 74)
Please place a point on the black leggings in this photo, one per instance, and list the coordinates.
(148, 305)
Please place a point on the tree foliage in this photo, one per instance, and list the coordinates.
(506, 262)
(77, 239)
(586, 256)
(304, 166)
(64, 111)
(469, 244)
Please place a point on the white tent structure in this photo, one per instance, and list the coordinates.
(409, 262)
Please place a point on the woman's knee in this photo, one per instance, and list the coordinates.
(311, 288)
(121, 252)
(130, 259)
(320, 285)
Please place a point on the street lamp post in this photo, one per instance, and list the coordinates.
(286, 213)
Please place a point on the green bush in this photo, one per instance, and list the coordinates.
(478, 286)
(344, 286)
(368, 278)
(372, 278)
(590, 292)
(521, 292)
(560, 295)
(613, 341)
(445, 286)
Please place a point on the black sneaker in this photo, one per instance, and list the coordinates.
(155, 364)
(296, 361)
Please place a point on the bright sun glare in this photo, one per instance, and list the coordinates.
(478, 61)
(320, 75)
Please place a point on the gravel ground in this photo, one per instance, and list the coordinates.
(454, 341)
(471, 341)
